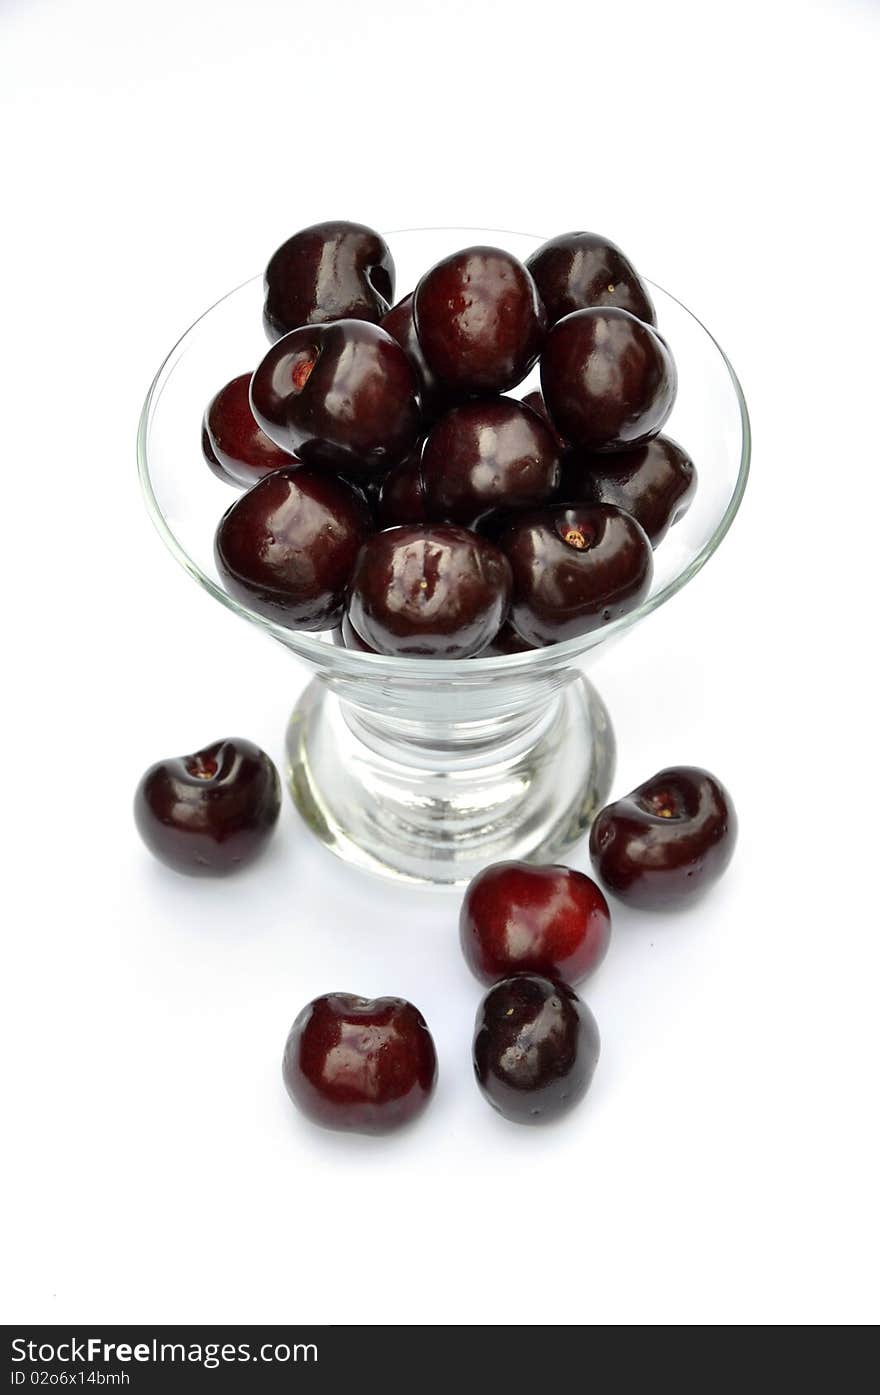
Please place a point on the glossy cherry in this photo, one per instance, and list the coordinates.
(362, 1064)
(536, 1046)
(330, 271)
(400, 324)
(574, 570)
(402, 496)
(545, 920)
(236, 449)
(210, 813)
(440, 592)
(479, 320)
(487, 454)
(287, 548)
(655, 483)
(342, 395)
(535, 400)
(580, 269)
(608, 379)
(666, 841)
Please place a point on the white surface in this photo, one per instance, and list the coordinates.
(724, 1166)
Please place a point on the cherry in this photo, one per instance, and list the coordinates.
(536, 1046)
(400, 324)
(212, 812)
(330, 271)
(479, 320)
(667, 840)
(441, 592)
(236, 449)
(544, 920)
(574, 570)
(486, 454)
(580, 269)
(608, 379)
(342, 395)
(287, 548)
(367, 1065)
(655, 483)
(507, 641)
(402, 496)
(535, 400)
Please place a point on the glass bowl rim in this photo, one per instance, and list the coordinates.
(323, 653)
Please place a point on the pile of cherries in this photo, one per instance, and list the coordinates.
(397, 495)
(529, 933)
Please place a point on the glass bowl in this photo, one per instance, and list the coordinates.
(428, 769)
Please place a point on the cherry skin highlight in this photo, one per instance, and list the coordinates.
(479, 320)
(666, 841)
(365, 1065)
(536, 1046)
(437, 592)
(577, 270)
(210, 813)
(655, 483)
(517, 917)
(341, 395)
(488, 454)
(330, 271)
(288, 547)
(236, 449)
(609, 380)
(574, 570)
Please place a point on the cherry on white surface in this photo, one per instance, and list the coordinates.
(723, 1167)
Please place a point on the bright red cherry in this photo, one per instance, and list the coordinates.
(544, 920)
(367, 1065)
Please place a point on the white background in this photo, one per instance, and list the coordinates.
(724, 1166)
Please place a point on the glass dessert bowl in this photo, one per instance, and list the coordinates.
(428, 769)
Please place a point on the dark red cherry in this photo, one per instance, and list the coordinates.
(655, 483)
(488, 454)
(331, 271)
(212, 812)
(507, 641)
(287, 548)
(668, 840)
(400, 324)
(440, 592)
(517, 917)
(580, 269)
(402, 496)
(608, 379)
(363, 1064)
(342, 395)
(574, 570)
(479, 320)
(535, 400)
(236, 449)
(536, 1046)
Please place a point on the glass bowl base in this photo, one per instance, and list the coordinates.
(437, 813)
